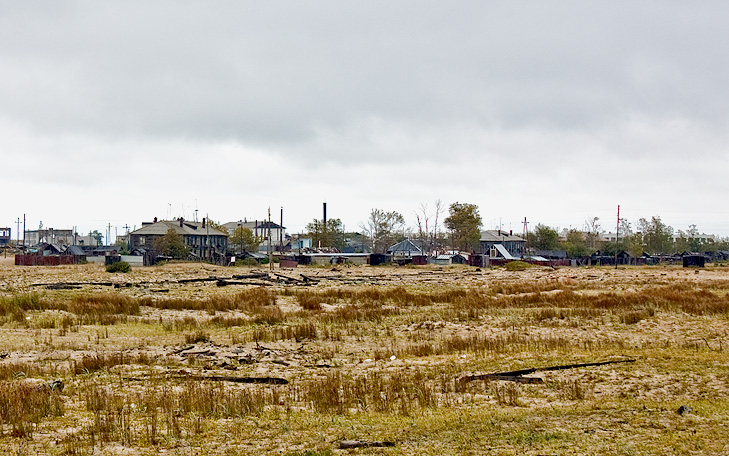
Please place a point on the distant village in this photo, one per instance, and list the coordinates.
(383, 240)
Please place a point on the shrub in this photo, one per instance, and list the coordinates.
(119, 266)
(517, 265)
(246, 262)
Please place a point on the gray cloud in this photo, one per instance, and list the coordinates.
(274, 72)
(485, 93)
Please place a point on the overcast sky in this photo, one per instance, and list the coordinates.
(117, 112)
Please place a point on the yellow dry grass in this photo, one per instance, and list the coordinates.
(371, 353)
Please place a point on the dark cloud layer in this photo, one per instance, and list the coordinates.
(273, 72)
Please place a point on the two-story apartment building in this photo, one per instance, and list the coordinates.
(203, 240)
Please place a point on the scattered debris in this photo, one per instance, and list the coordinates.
(684, 409)
(55, 385)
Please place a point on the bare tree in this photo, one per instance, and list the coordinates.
(439, 209)
(593, 232)
(426, 220)
(422, 218)
(381, 228)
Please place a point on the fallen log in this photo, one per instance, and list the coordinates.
(309, 279)
(221, 378)
(518, 375)
(207, 279)
(224, 283)
(255, 275)
(346, 444)
(69, 285)
(291, 279)
(257, 380)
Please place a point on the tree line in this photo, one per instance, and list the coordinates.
(651, 236)
(458, 227)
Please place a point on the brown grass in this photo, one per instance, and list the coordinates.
(24, 405)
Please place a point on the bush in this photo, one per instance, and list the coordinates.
(246, 262)
(517, 265)
(119, 266)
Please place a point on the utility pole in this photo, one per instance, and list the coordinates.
(617, 236)
(526, 233)
(270, 252)
(23, 231)
(17, 232)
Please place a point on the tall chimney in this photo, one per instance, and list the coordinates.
(203, 225)
(324, 220)
(181, 220)
(155, 220)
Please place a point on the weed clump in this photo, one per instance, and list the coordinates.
(23, 405)
(517, 265)
(119, 266)
(197, 336)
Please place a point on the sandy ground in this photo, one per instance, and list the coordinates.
(679, 358)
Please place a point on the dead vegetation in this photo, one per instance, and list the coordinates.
(365, 354)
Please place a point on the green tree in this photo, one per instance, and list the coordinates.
(691, 240)
(464, 222)
(656, 236)
(381, 229)
(575, 244)
(626, 241)
(123, 247)
(244, 239)
(172, 245)
(96, 236)
(329, 235)
(544, 238)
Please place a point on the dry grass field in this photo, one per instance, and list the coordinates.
(167, 360)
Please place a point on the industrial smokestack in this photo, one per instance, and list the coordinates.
(324, 220)
(203, 225)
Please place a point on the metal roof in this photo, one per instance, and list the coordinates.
(494, 236)
(406, 246)
(75, 250)
(504, 253)
(187, 229)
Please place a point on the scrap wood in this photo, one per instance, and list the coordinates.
(254, 275)
(220, 378)
(287, 277)
(345, 444)
(518, 375)
(59, 285)
(226, 282)
(257, 380)
(206, 279)
(309, 279)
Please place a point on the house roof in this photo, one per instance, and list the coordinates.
(75, 250)
(261, 224)
(187, 229)
(408, 245)
(503, 252)
(560, 254)
(499, 236)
